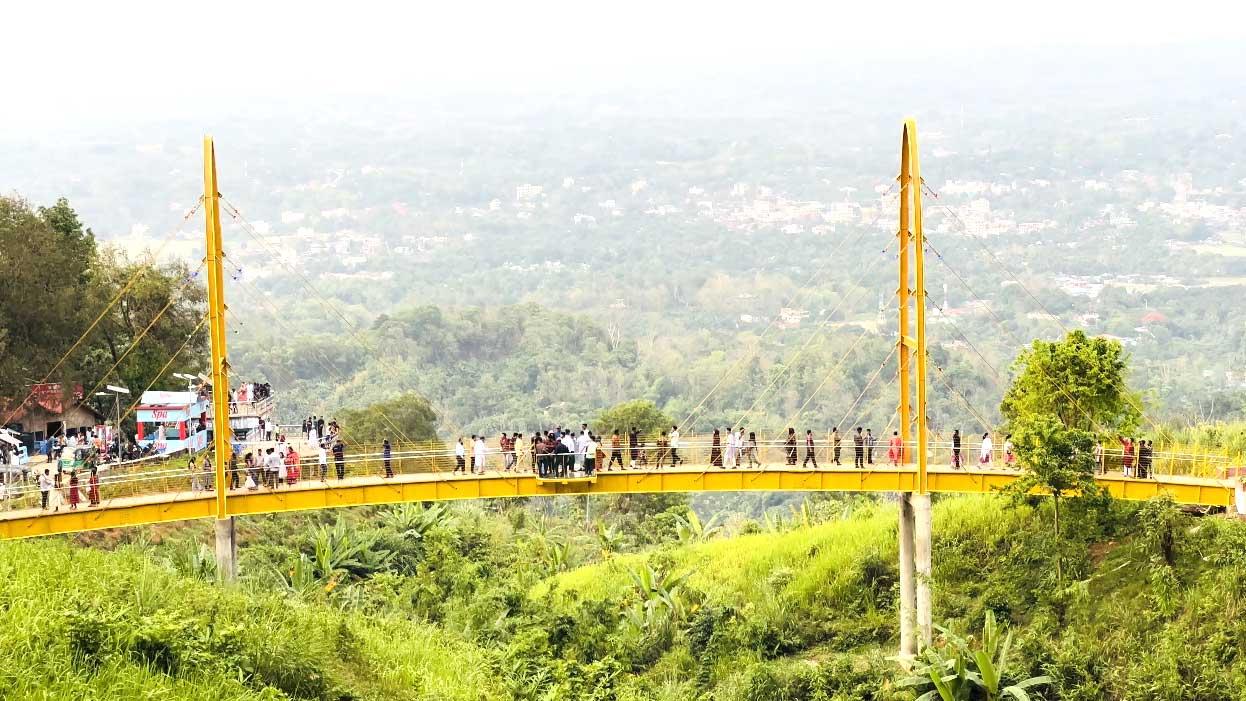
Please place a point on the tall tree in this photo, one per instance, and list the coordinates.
(44, 263)
(1078, 380)
(157, 314)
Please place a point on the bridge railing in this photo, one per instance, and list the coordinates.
(692, 450)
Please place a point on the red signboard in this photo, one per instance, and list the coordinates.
(52, 391)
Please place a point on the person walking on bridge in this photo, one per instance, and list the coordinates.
(985, 458)
(581, 449)
(789, 445)
(675, 459)
(835, 439)
(616, 450)
(1144, 459)
(74, 496)
(1127, 457)
(386, 457)
(292, 467)
(93, 487)
(956, 449)
(339, 459)
(895, 449)
(858, 447)
(811, 452)
(664, 447)
(750, 450)
(478, 456)
(716, 451)
(870, 443)
(45, 489)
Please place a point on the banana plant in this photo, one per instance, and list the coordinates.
(689, 528)
(415, 520)
(958, 669)
(660, 598)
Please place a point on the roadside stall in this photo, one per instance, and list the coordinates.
(172, 422)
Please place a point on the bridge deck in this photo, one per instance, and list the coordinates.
(441, 486)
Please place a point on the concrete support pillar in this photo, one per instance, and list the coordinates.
(921, 547)
(908, 579)
(226, 551)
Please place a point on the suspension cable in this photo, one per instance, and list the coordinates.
(827, 377)
(255, 294)
(137, 339)
(999, 264)
(861, 395)
(352, 329)
(790, 362)
(694, 413)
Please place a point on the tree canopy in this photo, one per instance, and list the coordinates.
(406, 418)
(1080, 381)
(110, 318)
(640, 414)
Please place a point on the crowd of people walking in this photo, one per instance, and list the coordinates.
(562, 453)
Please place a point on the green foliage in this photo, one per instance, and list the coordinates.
(1055, 457)
(131, 630)
(56, 285)
(959, 669)
(521, 602)
(1079, 380)
(640, 414)
(406, 418)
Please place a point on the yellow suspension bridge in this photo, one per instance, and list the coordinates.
(920, 465)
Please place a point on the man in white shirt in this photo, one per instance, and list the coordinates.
(731, 449)
(581, 449)
(322, 455)
(590, 455)
(675, 459)
(479, 466)
(272, 466)
(460, 457)
(45, 488)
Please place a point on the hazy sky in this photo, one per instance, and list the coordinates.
(75, 59)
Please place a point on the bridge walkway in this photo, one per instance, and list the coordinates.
(362, 490)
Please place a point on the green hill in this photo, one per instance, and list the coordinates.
(515, 600)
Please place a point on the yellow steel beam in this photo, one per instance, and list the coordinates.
(216, 322)
(111, 517)
(919, 301)
(1183, 491)
(903, 343)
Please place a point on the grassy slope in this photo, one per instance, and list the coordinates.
(83, 624)
(79, 623)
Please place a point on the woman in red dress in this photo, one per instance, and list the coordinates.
(895, 449)
(74, 495)
(93, 488)
(292, 467)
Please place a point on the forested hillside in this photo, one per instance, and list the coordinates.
(524, 367)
